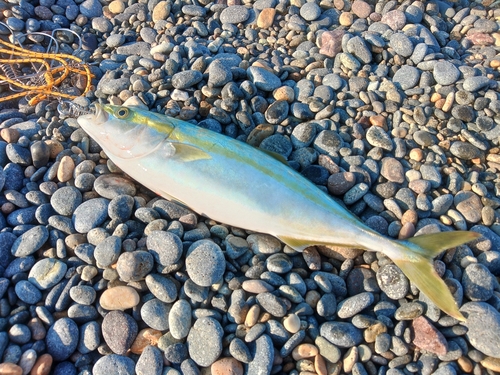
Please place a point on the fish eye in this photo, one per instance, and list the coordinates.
(122, 113)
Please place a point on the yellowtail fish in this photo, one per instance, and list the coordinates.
(236, 184)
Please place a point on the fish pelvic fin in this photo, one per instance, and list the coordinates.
(417, 265)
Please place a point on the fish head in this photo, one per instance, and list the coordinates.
(125, 132)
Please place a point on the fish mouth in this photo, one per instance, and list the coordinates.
(100, 115)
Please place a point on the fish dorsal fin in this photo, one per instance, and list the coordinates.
(189, 153)
(275, 155)
(434, 243)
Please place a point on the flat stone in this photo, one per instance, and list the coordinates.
(204, 341)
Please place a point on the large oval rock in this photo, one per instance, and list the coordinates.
(62, 339)
(204, 341)
(483, 322)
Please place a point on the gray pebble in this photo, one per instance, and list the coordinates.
(204, 341)
(205, 263)
(393, 282)
(234, 14)
(445, 73)
(162, 287)
(150, 361)
(179, 319)
(114, 363)
(110, 186)
(262, 78)
(90, 337)
(272, 304)
(476, 83)
(27, 292)
(47, 272)
(107, 251)
(483, 322)
(30, 241)
(119, 330)
(353, 305)
(90, 214)
(134, 266)
(478, 282)
(341, 334)
(166, 247)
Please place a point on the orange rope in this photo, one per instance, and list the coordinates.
(52, 77)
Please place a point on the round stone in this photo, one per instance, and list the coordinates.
(204, 341)
(90, 214)
(166, 247)
(393, 282)
(154, 313)
(344, 335)
(62, 339)
(445, 73)
(135, 265)
(30, 241)
(47, 272)
(113, 363)
(110, 186)
(65, 200)
(205, 263)
(179, 319)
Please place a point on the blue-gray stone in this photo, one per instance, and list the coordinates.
(90, 214)
(445, 73)
(90, 337)
(22, 216)
(205, 262)
(65, 200)
(204, 341)
(62, 339)
(114, 364)
(150, 361)
(483, 323)
(154, 313)
(262, 351)
(14, 176)
(166, 247)
(19, 265)
(27, 292)
(263, 79)
(7, 239)
(47, 272)
(342, 334)
(29, 242)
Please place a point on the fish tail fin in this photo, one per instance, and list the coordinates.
(417, 265)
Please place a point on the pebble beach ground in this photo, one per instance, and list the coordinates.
(393, 107)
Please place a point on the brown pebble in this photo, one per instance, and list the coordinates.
(407, 231)
(252, 316)
(416, 154)
(227, 366)
(491, 363)
(338, 252)
(42, 365)
(256, 286)
(147, 336)
(66, 168)
(10, 135)
(37, 329)
(116, 6)
(320, 365)
(346, 19)
(284, 93)
(361, 9)
(371, 333)
(266, 18)
(340, 183)
(304, 351)
(312, 298)
(119, 298)
(55, 147)
(410, 216)
(379, 120)
(10, 369)
(350, 358)
(260, 133)
(465, 364)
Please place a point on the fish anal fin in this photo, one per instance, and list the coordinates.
(432, 244)
(189, 153)
(275, 155)
(422, 273)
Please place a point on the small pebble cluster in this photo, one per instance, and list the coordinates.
(392, 107)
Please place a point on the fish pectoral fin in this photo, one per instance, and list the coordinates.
(421, 272)
(434, 243)
(275, 155)
(296, 243)
(189, 153)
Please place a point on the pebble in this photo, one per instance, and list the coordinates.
(30, 241)
(205, 263)
(66, 200)
(120, 297)
(119, 331)
(27, 292)
(234, 14)
(62, 339)
(204, 341)
(114, 363)
(110, 186)
(90, 214)
(179, 319)
(227, 366)
(478, 282)
(445, 73)
(354, 305)
(46, 273)
(134, 266)
(341, 334)
(263, 79)
(153, 313)
(10, 369)
(393, 282)
(262, 352)
(166, 247)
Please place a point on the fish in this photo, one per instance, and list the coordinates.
(237, 184)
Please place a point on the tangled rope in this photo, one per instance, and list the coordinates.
(40, 75)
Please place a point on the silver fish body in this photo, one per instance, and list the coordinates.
(234, 183)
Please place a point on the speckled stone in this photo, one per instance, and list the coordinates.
(204, 341)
